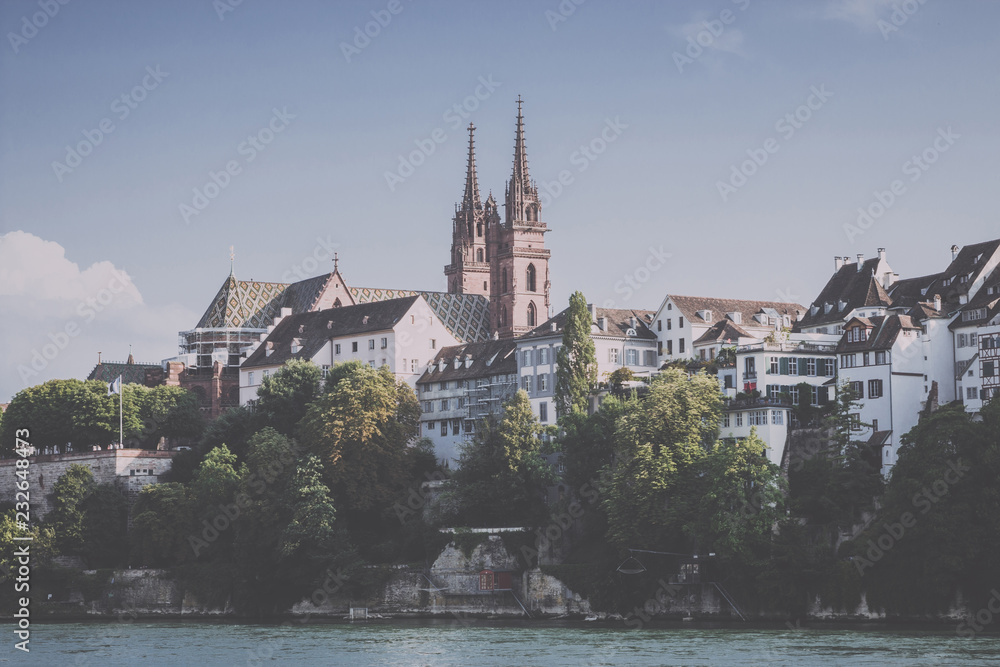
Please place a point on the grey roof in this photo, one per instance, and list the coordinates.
(618, 322)
(854, 286)
(314, 329)
(493, 357)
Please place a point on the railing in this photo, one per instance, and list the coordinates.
(762, 402)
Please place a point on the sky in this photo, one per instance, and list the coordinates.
(725, 148)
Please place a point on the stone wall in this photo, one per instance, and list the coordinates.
(129, 469)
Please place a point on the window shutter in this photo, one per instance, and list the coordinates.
(783, 365)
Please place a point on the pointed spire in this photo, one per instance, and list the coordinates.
(336, 262)
(470, 199)
(520, 153)
(232, 261)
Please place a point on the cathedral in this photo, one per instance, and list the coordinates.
(504, 261)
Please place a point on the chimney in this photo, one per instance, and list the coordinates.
(602, 323)
(633, 322)
(593, 313)
(937, 302)
(838, 263)
(881, 254)
(553, 326)
(861, 260)
(954, 253)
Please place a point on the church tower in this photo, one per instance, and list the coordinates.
(519, 262)
(474, 225)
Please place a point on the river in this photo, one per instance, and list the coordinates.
(458, 642)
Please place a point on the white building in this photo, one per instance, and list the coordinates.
(682, 320)
(622, 338)
(404, 334)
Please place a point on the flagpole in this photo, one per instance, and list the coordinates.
(121, 435)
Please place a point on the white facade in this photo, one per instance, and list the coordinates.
(406, 347)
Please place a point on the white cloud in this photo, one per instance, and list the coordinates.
(57, 317)
(862, 13)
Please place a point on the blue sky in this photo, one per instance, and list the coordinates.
(112, 228)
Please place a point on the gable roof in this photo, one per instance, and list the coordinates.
(721, 331)
(467, 316)
(854, 287)
(492, 357)
(882, 332)
(986, 300)
(315, 328)
(690, 305)
(618, 322)
(133, 373)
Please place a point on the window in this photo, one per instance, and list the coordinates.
(793, 392)
(880, 358)
(543, 412)
(527, 358)
(864, 359)
(354, 346)
(385, 343)
(531, 314)
(874, 425)
(680, 322)
(750, 367)
(773, 368)
(772, 391)
(371, 362)
(531, 278)
(250, 378)
(433, 344)
(428, 406)
(371, 343)
(543, 355)
(989, 369)
(725, 420)
(659, 325)
(504, 279)
(668, 324)
(739, 419)
(632, 357)
(680, 346)
(777, 417)
(613, 355)
(793, 366)
(543, 382)
(413, 365)
(444, 405)
(670, 345)
(858, 388)
(811, 367)
(848, 360)
(324, 371)
(266, 373)
(526, 383)
(971, 393)
(874, 389)
(670, 306)
(456, 426)
(855, 421)
(431, 426)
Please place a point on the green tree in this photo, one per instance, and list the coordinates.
(59, 413)
(284, 396)
(657, 441)
(164, 412)
(360, 430)
(68, 514)
(163, 526)
(576, 362)
(42, 545)
(501, 477)
(105, 528)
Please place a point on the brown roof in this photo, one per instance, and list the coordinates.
(723, 330)
(619, 321)
(882, 332)
(493, 357)
(314, 329)
(690, 305)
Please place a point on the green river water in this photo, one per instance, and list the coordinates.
(460, 642)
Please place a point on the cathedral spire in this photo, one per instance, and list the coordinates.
(520, 175)
(470, 200)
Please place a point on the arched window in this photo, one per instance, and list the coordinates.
(337, 303)
(531, 277)
(532, 213)
(479, 255)
(503, 316)
(504, 280)
(531, 314)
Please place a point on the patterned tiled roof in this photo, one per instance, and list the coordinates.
(467, 316)
(244, 303)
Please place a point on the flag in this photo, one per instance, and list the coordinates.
(115, 387)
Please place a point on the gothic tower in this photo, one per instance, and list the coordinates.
(469, 270)
(519, 299)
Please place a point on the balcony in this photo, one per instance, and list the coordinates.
(759, 402)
